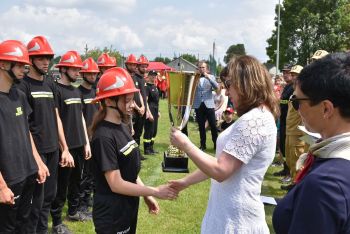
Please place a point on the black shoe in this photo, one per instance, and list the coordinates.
(142, 158)
(281, 173)
(148, 152)
(202, 147)
(61, 229)
(277, 164)
(154, 151)
(287, 187)
(79, 216)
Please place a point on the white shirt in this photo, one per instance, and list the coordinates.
(234, 205)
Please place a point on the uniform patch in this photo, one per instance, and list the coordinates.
(19, 111)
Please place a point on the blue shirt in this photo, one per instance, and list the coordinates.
(320, 203)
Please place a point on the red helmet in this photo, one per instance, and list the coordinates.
(39, 46)
(131, 59)
(89, 66)
(106, 61)
(70, 59)
(115, 81)
(14, 51)
(143, 60)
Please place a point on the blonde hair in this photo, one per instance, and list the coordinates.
(253, 85)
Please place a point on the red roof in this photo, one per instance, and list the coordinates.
(159, 66)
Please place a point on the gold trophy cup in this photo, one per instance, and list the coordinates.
(181, 90)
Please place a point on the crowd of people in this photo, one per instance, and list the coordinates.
(63, 143)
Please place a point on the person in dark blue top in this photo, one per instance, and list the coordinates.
(320, 201)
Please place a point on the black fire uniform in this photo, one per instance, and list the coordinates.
(89, 109)
(41, 96)
(70, 110)
(139, 120)
(17, 164)
(149, 136)
(114, 149)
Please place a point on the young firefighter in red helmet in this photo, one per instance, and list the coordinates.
(19, 161)
(116, 159)
(89, 73)
(139, 107)
(139, 78)
(71, 113)
(152, 113)
(46, 128)
(104, 62)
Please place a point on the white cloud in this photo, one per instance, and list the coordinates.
(95, 5)
(138, 27)
(67, 29)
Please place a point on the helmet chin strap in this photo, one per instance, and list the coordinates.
(41, 72)
(69, 77)
(12, 74)
(87, 81)
(115, 99)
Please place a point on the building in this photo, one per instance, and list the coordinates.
(181, 64)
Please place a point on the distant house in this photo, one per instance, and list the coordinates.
(182, 64)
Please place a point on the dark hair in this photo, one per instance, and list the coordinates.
(328, 79)
(101, 115)
(224, 74)
(253, 84)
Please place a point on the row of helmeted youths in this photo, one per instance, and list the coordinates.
(44, 141)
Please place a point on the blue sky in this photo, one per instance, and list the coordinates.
(151, 27)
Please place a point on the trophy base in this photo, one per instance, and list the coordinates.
(175, 164)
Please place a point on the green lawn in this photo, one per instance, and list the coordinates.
(183, 215)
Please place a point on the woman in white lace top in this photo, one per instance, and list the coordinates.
(244, 152)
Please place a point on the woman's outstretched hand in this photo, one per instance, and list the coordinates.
(178, 185)
(178, 139)
(165, 192)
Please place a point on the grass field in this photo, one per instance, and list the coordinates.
(184, 215)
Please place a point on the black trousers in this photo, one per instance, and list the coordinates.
(203, 114)
(138, 122)
(68, 187)
(151, 127)
(43, 196)
(86, 185)
(14, 217)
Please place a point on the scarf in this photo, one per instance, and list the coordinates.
(334, 147)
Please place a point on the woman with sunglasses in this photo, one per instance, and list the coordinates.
(117, 159)
(320, 201)
(244, 152)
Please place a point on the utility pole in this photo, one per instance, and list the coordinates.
(278, 38)
(86, 49)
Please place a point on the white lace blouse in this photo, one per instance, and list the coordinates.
(234, 205)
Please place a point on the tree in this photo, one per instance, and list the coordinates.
(234, 50)
(307, 26)
(164, 60)
(190, 57)
(96, 52)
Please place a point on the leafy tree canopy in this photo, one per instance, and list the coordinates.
(307, 26)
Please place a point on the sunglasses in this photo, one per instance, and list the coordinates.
(227, 83)
(296, 101)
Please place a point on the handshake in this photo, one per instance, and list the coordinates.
(171, 190)
(168, 191)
